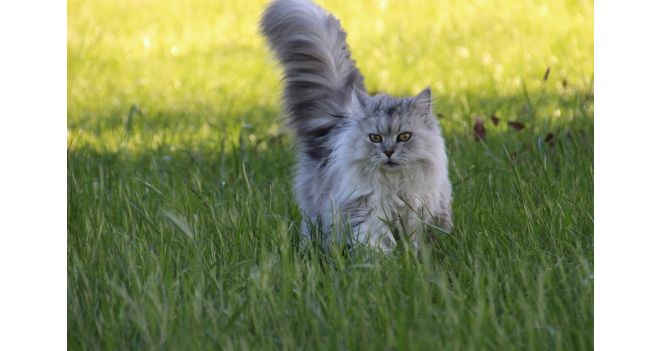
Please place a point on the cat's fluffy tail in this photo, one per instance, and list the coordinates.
(319, 72)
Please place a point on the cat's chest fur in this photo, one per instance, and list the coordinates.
(395, 199)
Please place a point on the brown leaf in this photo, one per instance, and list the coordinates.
(495, 119)
(516, 125)
(550, 138)
(479, 131)
(513, 156)
(546, 75)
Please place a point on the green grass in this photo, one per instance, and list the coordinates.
(182, 227)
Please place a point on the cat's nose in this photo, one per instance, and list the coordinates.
(388, 152)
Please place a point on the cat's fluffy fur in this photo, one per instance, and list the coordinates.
(343, 179)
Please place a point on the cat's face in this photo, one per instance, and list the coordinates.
(392, 134)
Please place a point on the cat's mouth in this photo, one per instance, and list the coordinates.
(391, 163)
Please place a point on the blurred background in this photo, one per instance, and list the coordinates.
(196, 72)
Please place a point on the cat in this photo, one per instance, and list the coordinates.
(372, 166)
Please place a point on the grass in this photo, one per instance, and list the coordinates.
(182, 227)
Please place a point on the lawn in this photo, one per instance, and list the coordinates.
(182, 226)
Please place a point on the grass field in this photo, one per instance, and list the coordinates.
(182, 227)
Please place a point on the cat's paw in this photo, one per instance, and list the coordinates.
(384, 242)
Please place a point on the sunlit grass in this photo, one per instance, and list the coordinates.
(204, 59)
(182, 226)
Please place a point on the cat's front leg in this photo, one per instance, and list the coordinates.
(442, 218)
(375, 234)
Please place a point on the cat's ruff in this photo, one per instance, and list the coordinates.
(375, 165)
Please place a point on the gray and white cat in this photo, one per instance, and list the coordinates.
(374, 164)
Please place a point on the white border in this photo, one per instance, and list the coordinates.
(627, 175)
(33, 175)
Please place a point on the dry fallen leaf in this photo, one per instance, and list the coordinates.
(513, 156)
(516, 125)
(479, 131)
(550, 139)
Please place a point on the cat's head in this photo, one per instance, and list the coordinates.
(393, 134)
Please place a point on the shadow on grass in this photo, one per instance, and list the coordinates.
(167, 161)
(181, 238)
(191, 157)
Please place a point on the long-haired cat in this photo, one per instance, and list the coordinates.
(375, 165)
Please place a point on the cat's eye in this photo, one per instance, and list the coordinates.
(375, 138)
(406, 136)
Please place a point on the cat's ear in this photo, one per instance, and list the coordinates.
(359, 103)
(422, 102)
